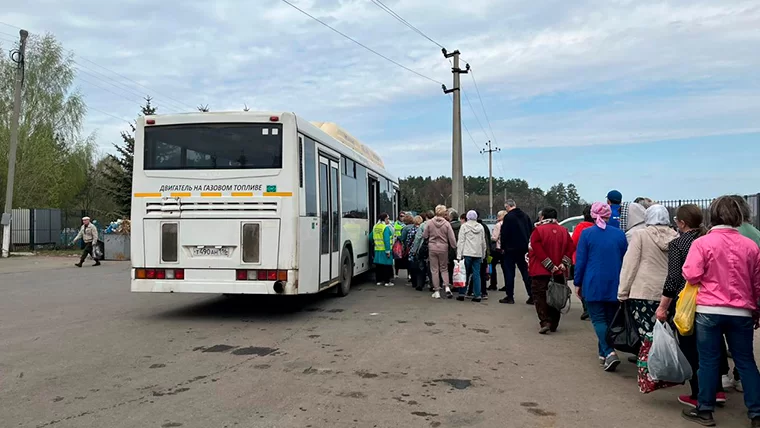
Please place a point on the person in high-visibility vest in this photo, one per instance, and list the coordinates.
(382, 236)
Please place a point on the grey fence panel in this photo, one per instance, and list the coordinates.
(47, 226)
(20, 226)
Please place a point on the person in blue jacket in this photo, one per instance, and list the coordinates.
(615, 200)
(599, 258)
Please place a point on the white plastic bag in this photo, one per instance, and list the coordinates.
(666, 361)
(460, 274)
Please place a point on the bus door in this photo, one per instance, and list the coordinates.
(330, 225)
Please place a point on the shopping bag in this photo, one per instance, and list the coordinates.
(460, 274)
(97, 252)
(686, 309)
(398, 250)
(644, 380)
(622, 333)
(666, 361)
(558, 295)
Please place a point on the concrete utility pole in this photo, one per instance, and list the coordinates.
(457, 172)
(18, 58)
(490, 150)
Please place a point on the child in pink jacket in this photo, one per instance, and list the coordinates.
(726, 266)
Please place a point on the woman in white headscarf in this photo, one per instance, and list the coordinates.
(645, 266)
(632, 218)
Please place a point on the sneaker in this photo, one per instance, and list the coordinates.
(389, 284)
(419, 288)
(529, 301)
(436, 295)
(476, 300)
(507, 301)
(611, 362)
(584, 316)
(702, 418)
(97, 263)
(720, 397)
(379, 283)
(460, 298)
(738, 386)
(543, 330)
(686, 400)
(728, 383)
(492, 288)
(503, 289)
(601, 361)
(449, 294)
(485, 297)
(78, 265)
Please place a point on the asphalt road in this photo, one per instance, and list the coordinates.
(77, 349)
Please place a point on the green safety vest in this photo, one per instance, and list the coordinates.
(377, 236)
(398, 226)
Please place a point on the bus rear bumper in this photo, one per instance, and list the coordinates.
(222, 283)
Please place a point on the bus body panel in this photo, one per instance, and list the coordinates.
(211, 206)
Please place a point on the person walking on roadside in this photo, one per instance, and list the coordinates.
(645, 267)
(515, 236)
(726, 265)
(599, 258)
(483, 265)
(472, 245)
(403, 262)
(585, 224)
(89, 234)
(689, 222)
(416, 266)
(382, 236)
(614, 199)
(440, 238)
(551, 248)
(496, 254)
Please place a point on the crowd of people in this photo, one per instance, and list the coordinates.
(625, 255)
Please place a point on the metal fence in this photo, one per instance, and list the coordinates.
(704, 204)
(48, 228)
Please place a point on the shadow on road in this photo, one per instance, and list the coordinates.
(250, 308)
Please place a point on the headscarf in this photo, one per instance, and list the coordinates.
(636, 216)
(657, 215)
(472, 215)
(600, 211)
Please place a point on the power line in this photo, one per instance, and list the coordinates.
(131, 100)
(152, 91)
(482, 105)
(360, 44)
(398, 17)
(108, 114)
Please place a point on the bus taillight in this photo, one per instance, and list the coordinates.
(261, 275)
(162, 274)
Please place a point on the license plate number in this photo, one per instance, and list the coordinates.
(210, 252)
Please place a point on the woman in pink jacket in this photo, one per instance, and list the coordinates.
(440, 237)
(726, 266)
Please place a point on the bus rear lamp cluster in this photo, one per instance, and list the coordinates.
(170, 274)
(261, 275)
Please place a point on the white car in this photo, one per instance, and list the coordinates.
(570, 223)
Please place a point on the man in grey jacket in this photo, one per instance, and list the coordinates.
(89, 233)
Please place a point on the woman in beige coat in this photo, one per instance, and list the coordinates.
(645, 267)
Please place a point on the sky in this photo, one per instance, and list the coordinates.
(653, 98)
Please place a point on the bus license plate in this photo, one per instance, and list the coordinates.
(210, 252)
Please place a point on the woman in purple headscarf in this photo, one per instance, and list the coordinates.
(599, 258)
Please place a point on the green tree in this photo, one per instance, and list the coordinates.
(117, 172)
(52, 157)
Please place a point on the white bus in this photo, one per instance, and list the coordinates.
(252, 203)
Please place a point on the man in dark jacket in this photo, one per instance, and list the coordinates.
(515, 237)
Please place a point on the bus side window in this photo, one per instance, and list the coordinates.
(310, 176)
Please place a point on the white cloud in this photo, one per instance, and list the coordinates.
(270, 56)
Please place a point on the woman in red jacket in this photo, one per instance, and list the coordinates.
(549, 257)
(585, 224)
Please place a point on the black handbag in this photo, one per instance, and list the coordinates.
(622, 333)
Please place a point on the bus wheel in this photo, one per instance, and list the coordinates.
(346, 275)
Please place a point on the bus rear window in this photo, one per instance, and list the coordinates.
(213, 146)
